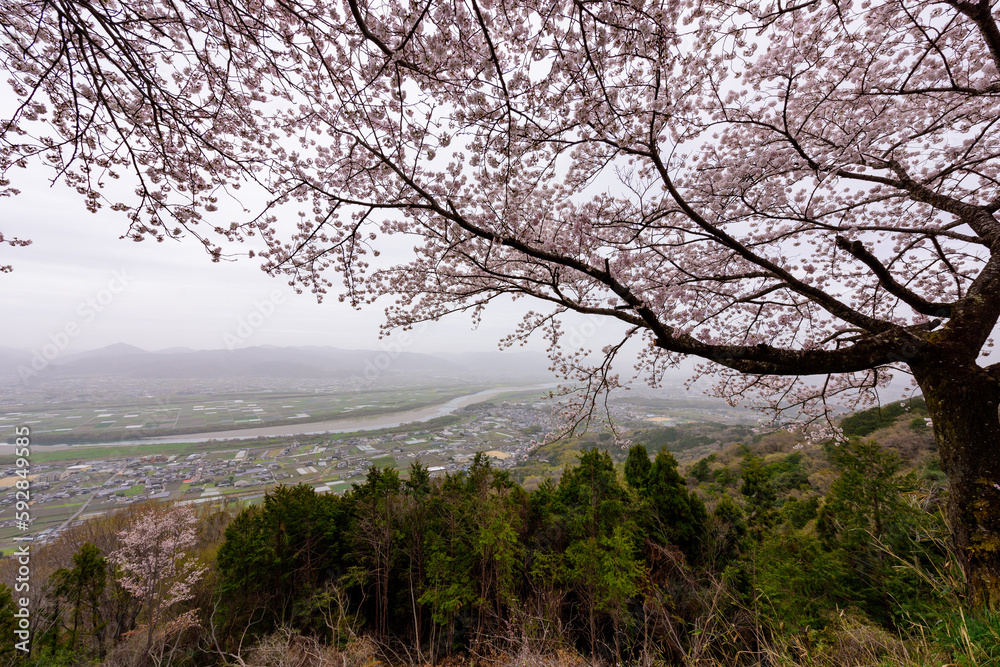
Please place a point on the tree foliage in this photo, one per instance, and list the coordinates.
(675, 515)
(621, 571)
(870, 514)
(866, 422)
(446, 562)
(8, 624)
(758, 492)
(82, 586)
(279, 553)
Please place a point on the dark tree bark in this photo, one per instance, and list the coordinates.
(963, 401)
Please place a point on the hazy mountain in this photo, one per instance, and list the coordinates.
(121, 360)
(109, 352)
(11, 359)
(514, 362)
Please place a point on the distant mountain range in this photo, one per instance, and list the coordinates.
(121, 360)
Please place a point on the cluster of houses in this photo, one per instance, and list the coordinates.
(507, 432)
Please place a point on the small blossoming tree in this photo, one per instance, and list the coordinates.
(155, 565)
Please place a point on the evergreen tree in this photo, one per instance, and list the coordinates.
(637, 467)
(670, 513)
(680, 514)
(594, 499)
(417, 490)
(602, 560)
(758, 494)
(277, 554)
(700, 470)
(376, 534)
(450, 585)
(797, 584)
(728, 528)
(799, 512)
(81, 586)
(867, 499)
(868, 517)
(8, 624)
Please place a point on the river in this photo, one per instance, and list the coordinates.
(348, 425)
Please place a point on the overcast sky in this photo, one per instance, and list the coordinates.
(81, 287)
(78, 283)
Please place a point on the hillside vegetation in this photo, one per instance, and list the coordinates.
(764, 552)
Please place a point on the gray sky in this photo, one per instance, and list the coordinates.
(82, 287)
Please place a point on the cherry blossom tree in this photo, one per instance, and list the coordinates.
(155, 565)
(788, 190)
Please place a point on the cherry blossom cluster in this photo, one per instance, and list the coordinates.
(781, 189)
(155, 561)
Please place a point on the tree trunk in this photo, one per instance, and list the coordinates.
(963, 401)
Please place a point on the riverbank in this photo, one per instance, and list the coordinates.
(346, 425)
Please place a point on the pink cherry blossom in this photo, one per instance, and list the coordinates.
(155, 564)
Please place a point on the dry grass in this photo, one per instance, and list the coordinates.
(288, 649)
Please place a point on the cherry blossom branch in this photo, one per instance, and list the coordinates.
(858, 250)
(982, 15)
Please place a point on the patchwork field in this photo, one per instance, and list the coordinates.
(94, 475)
(190, 414)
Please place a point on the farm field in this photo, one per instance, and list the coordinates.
(82, 423)
(70, 482)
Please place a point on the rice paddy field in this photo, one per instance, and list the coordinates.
(82, 422)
